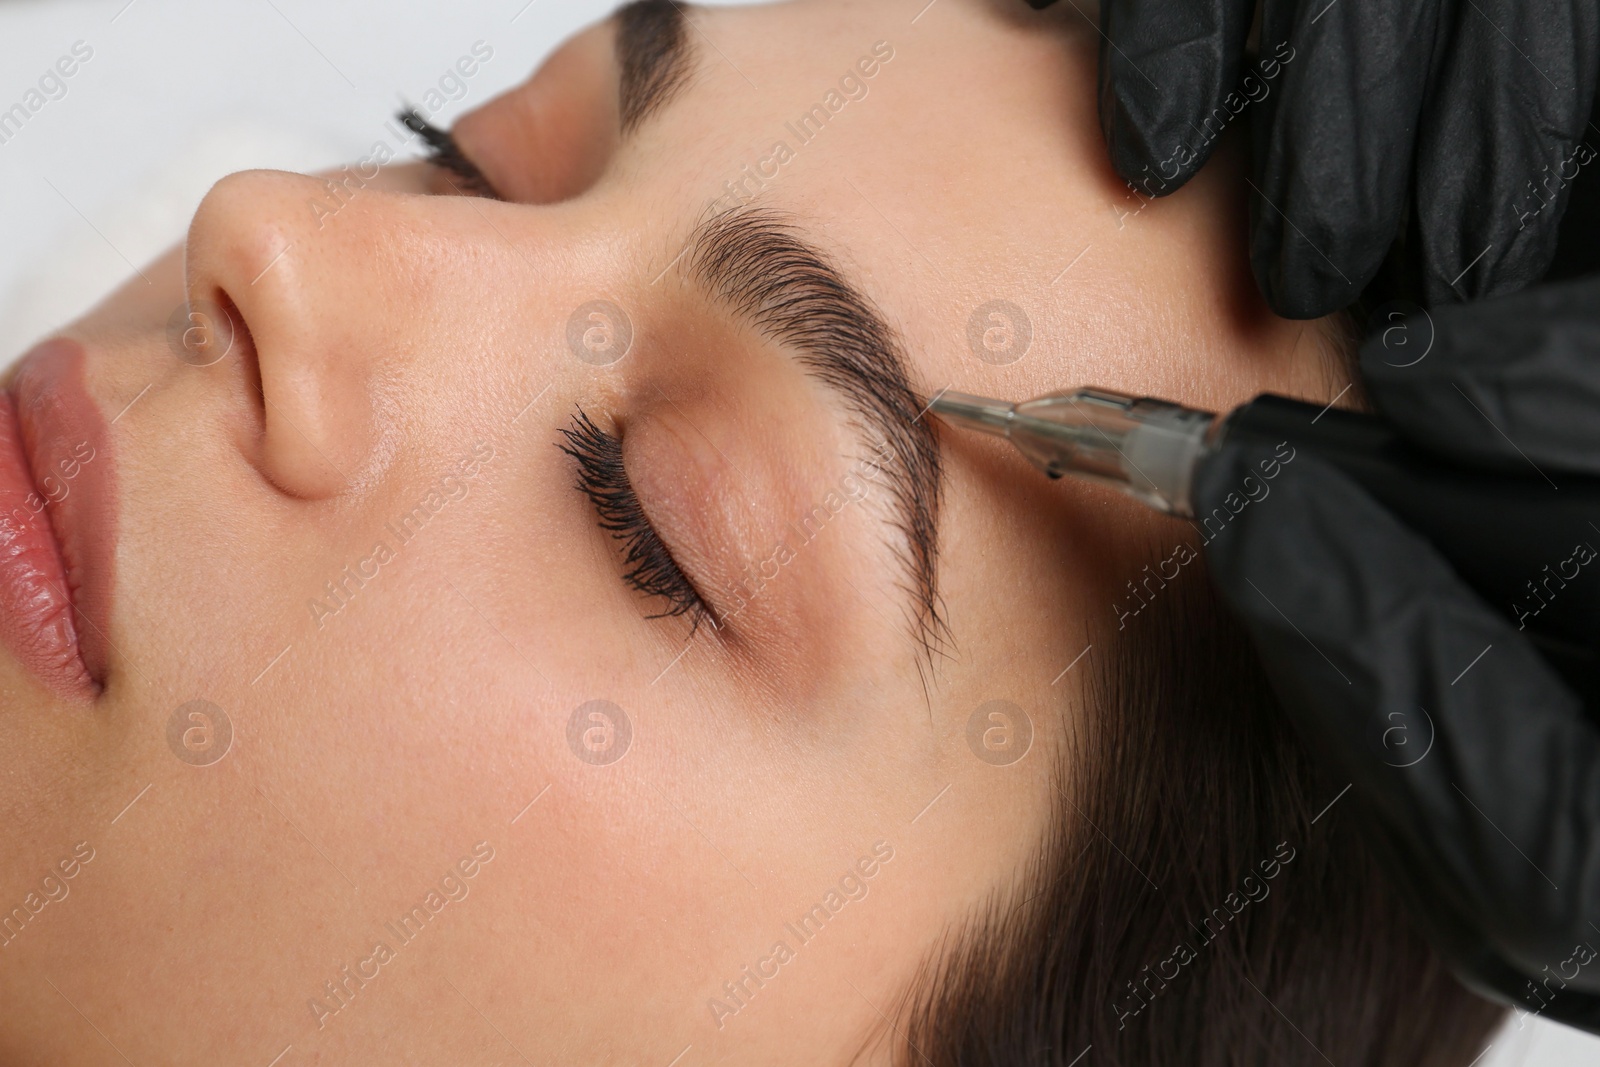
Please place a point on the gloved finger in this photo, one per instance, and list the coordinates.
(1501, 140)
(1334, 146)
(1400, 679)
(1505, 383)
(1168, 78)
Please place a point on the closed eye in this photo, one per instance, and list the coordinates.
(443, 152)
(648, 565)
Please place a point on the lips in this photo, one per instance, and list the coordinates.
(57, 523)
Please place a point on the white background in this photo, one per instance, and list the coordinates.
(182, 92)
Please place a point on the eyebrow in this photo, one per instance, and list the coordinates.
(757, 263)
(654, 55)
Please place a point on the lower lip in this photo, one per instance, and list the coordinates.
(40, 623)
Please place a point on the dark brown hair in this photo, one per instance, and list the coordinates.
(1197, 902)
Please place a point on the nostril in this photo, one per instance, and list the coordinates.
(244, 354)
(227, 345)
(202, 332)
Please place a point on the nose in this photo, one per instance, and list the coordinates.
(317, 288)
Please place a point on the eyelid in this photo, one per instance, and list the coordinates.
(552, 138)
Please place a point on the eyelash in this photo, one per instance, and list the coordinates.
(604, 480)
(444, 153)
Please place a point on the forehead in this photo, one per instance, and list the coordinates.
(961, 106)
(944, 162)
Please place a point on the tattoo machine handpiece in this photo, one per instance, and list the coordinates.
(1502, 531)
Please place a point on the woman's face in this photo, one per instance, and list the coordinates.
(376, 749)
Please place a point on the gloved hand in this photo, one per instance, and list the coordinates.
(1476, 764)
(1465, 115)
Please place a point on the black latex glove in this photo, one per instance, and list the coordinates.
(1474, 108)
(1479, 771)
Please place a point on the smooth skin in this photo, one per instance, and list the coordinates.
(376, 747)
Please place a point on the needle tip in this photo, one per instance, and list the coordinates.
(974, 412)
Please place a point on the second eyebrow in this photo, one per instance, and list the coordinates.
(655, 56)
